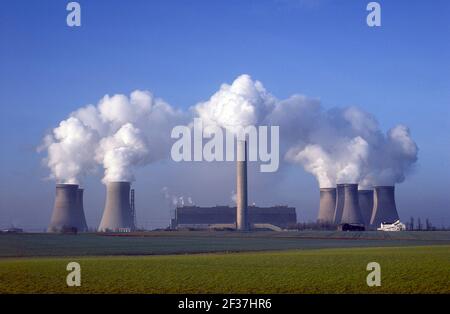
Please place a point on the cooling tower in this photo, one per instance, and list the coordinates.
(351, 213)
(366, 205)
(81, 218)
(339, 203)
(384, 209)
(327, 205)
(117, 213)
(242, 222)
(65, 210)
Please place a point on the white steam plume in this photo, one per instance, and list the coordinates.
(346, 145)
(119, 133)
(336, 145)
(244, 102)
(120, 152)
(71, 148)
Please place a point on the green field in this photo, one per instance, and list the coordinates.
(226, 262)
(403, 270)
(158, 243)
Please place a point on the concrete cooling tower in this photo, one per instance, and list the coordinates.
(242, 221)
(327, 205)
(351, 212)
(81, 218)
(117, 213)
(384, 209)
(66, 209)
(339, 203)
(366, 205)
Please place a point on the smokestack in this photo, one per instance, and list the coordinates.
(384, 209)
(327, 205)
(242, 222)
(366, 205)
(340, 196)
(351, 212)
(81, 218)
(65, 209)
(117, 213)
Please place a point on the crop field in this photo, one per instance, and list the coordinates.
(158, 243)
(226, 262)
(403, 270)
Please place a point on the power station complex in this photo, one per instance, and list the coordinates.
(344, 204)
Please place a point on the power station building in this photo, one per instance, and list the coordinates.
(195, 217)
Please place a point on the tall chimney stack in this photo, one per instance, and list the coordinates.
(242, 222)
(327, 205)
(65, 209)
(340, 196)
(81, 218)
(366, 205)
(351, 212)
(117, 213)
(384, 208)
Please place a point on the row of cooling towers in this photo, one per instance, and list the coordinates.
(68, 211)
(347, 204)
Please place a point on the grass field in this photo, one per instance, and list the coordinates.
(226, 262)
(421, 269)
(157, 243)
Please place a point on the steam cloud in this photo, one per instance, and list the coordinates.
(336, 145)
(119, 152)
(119, 133)
(240, 104)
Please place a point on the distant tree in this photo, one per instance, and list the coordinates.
(419, 224)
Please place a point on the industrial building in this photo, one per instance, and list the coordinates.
(195, 217)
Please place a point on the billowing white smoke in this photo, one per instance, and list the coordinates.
(392, 158)
(244, 102)
(342, 163)
(120, 152)
(340, 145)
(71, 148)
(337, 145)
(346, 145)
(119, 133)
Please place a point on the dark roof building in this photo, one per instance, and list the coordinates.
(205, 217)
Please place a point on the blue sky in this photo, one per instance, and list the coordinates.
(183, 50)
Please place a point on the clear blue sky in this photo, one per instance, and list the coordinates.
(183, 50)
